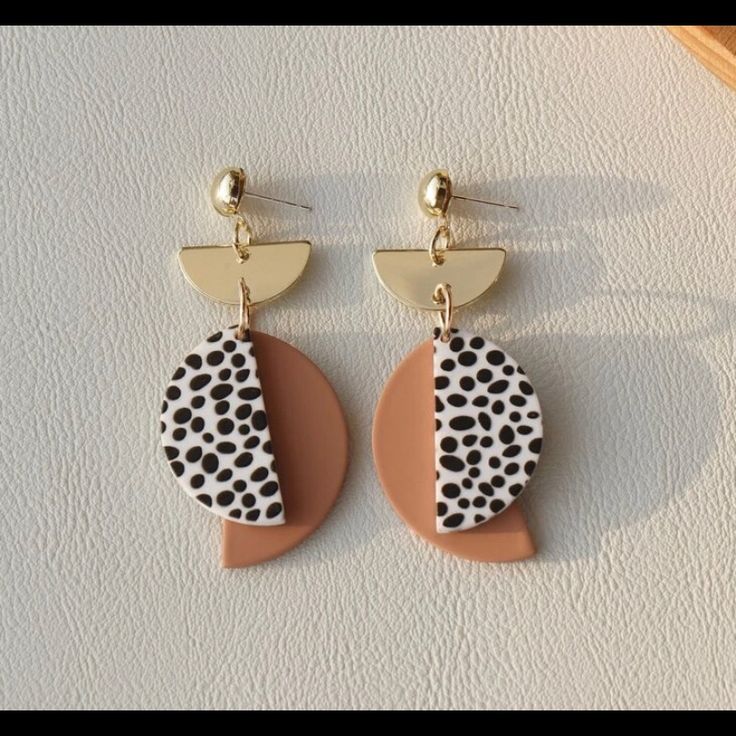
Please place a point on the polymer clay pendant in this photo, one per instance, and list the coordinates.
(214, 428)
(457, 433)
(251, 429)
(488, 430)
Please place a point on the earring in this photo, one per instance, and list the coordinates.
(458, 430)
(251, 428)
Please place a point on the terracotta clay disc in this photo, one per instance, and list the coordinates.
(310, 443)
(403, 448)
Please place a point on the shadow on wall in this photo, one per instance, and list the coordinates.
(630, 421)
(631, 416)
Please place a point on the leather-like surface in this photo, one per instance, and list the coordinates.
(617, 297)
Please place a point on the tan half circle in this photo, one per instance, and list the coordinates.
(269, 270)
(411, 277)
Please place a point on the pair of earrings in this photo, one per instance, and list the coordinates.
(255, 433)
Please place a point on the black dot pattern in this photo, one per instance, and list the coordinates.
(483, 401)
(215, 392)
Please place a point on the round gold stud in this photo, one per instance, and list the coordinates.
(435, 193)
(227, 191)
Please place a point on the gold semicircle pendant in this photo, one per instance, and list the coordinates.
(411, 276)
(269, 270)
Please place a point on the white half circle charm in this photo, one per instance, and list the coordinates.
(214, 430)
(488, 430)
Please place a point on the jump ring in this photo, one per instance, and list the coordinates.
(441, 241)
(244, 324)
(241, 238)
(443, 296)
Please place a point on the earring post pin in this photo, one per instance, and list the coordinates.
(485, 201)
(280, 201)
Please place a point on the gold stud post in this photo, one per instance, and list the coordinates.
(229, 188)
(435, 195)
(227, 191)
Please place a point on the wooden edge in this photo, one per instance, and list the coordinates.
(714, 55)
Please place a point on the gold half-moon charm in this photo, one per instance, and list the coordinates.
(411, 277)
(269, 270)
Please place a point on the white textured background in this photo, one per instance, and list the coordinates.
(618, 299)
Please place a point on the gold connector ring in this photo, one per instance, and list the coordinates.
(241, 238)
(244, 323)
(442, 296)
(441, 241)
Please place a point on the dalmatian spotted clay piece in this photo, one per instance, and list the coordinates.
(488, 430)
(214, 429)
